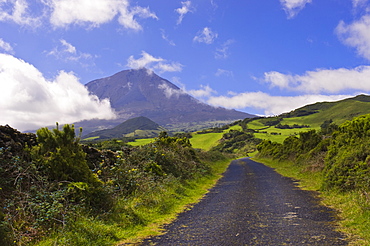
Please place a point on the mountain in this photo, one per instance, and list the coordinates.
(140, 92)
(139, 126)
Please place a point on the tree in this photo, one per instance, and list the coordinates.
(61, 157)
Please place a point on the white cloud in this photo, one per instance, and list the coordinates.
(17, 11)
(69, 48)
(67, 52)
(359, 3)
(165, 37)
(357, 35)
(145, 60)
(63, 13)
(271, 105)
(185, 8)
(223, 72)
(6, 46)
(205, 91)
(293, 7)
(159, 64)
(223, 51)
(29, 100)
(171, 92)
(206, 36)
(95, 13)
(323, 80)
(168, 67)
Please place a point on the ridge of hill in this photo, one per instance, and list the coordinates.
(308, 117)
(135, 127)
(140, 92)
(338, 111)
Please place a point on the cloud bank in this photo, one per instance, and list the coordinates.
(322, 80)
(29, 100)
(272, 105)
(314, 86)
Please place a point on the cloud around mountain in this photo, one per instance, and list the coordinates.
(29, 100)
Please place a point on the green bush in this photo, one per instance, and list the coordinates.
(347, 162)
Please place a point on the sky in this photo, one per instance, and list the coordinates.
(260, 57)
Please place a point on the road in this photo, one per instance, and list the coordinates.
(253, 205)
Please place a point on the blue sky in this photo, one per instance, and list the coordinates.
(260, 57)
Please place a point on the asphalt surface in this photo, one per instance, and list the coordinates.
(253, 205)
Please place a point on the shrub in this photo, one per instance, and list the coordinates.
(347, 162)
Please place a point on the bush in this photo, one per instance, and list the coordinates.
(347, 162)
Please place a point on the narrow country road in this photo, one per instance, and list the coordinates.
(253, 205)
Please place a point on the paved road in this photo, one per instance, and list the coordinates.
(253, 205)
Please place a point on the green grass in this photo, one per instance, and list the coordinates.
(140, 142)
(235, 128)
(205, 141)
(339, 112)
(268, 133)
(136, 218)
(91, 138)
(353, 211)
(208, 140)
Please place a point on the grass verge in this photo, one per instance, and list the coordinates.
(353, 210)
(140, 216)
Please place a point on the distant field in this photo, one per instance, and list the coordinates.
(140, 142)
(91, 138)
(199, 141)
(276, 134)
(209, 140)
(205, 141)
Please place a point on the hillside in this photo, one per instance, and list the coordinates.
(312, 116)
(140, 92)
(135, 127)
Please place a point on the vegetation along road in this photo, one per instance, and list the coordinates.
(253, 205)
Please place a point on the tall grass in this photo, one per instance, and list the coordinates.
(140, 215)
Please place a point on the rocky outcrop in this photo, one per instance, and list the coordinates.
(13, 142)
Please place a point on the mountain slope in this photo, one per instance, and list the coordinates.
(144, 126)
(140, 92)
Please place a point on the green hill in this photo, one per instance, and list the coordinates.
(309, 117)
(139, 127)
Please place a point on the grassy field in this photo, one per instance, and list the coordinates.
(338, 112)
(199, 141)
(208, 140)
(276, 134)
(140, 142)
(205, 141)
